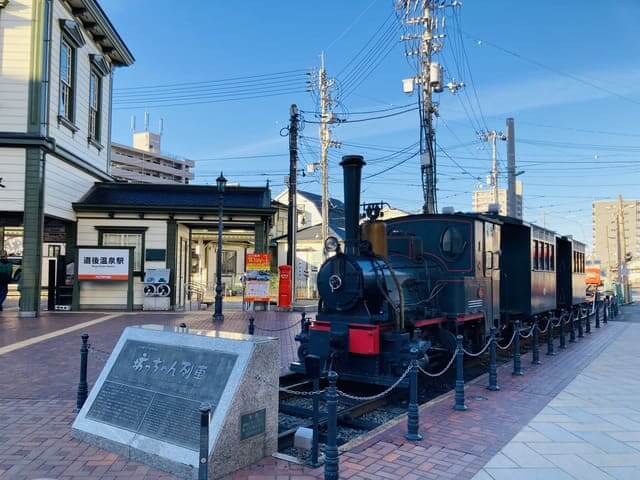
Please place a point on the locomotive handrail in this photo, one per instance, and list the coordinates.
(441, 372)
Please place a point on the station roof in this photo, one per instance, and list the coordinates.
(145, 197)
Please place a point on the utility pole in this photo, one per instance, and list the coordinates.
(492, 136)
(325, 85)
(292, 213)
(424, 21)
(623, 276)
(511, 169)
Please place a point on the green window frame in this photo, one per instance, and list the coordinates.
(125, 236)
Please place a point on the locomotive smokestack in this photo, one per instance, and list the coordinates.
(352, 173)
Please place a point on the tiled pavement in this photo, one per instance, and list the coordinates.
(37, 391)
(590, 430)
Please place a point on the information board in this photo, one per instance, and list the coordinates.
(258, 277)
(103, 263)
(156, 390)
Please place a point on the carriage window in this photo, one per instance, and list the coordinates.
(535, 255)
(553, 257)
(547, 256)
(452, 243)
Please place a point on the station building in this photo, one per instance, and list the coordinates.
(57, 59)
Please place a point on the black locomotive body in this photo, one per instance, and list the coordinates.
(408, 285)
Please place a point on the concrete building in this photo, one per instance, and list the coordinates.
(144, 162)
(56, 63)
(605, 237)
(483, 197)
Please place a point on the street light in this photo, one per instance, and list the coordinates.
(221, 182)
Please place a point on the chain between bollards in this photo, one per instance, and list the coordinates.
(331, 465)
(517, 360)
(563, 340)
(203, 464)
(535, 347)
(413, 414)
(550, 350)
(493, 368)
(459, 395)
(572, 327)
(580, 328)
(83, 387)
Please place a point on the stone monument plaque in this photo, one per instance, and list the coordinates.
(145, 404)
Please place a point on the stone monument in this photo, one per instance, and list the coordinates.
(145, 403)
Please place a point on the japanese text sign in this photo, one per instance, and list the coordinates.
(103, 264)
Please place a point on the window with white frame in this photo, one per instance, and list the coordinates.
(67, 80)
(116, 239)
(95, 91)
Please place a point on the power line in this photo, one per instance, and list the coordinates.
(551, 69)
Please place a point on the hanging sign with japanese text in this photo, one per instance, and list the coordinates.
(103, 264)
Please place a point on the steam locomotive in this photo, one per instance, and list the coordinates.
(415, 282)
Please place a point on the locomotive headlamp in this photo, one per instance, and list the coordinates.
(331, 244)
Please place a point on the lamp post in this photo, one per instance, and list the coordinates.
(217, 314)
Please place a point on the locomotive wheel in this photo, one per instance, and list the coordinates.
(447, 340)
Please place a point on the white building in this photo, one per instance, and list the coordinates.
(483, 197)
(144, 162)
(56, 63)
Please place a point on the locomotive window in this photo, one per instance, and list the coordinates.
(452, 243)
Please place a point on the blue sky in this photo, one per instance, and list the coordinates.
(576, 140)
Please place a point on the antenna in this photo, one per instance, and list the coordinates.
(146, 121)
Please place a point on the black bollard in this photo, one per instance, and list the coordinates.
(83, 388)
(535, 347)
(563, 340)
(588, 322)
(517, 365)
(572, 327)
(598, 303)
(459, 397)
(331, 465)
(493, 368)
(580, 330)
(203, 464)
(550, 351)
(252, 326)
(413, 414)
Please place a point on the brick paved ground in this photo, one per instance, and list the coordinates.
(37, 397)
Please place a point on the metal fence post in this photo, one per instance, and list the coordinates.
(517, 364)
(331, 465)
(203, 464)
(413, 414)
(572, 327)
(252, 326)
(550, 350)
(459, 397)
(493, 368)
(83, 387)
(535, 355)
(563, 340)
(580, 330)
